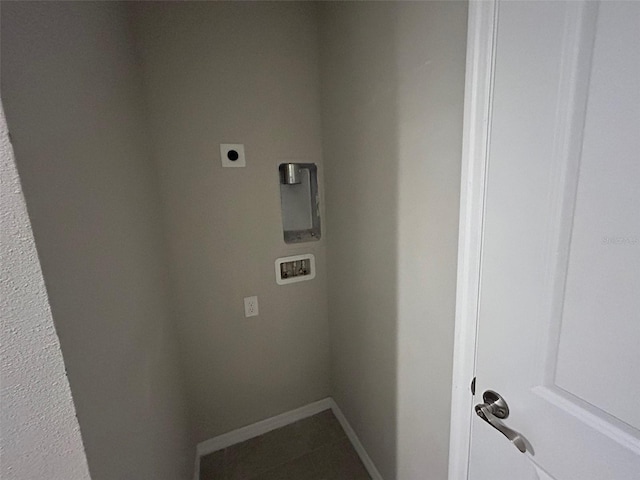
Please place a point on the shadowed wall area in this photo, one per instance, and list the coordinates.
(73, 98)
(392, 92)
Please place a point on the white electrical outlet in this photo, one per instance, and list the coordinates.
(250, 306)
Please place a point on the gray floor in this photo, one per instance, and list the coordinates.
(315, 448)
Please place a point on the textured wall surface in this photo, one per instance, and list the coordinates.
(40, 433)
(237, 72)
(74, 106)
(392, 93)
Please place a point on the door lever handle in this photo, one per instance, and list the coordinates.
(492, 411)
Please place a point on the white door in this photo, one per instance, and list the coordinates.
(559, 302)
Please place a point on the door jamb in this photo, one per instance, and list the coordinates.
(478, 96)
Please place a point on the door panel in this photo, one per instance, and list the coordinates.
(602, 296)
(559, 311)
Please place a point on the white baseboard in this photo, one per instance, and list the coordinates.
(259, 428)
(355, 441)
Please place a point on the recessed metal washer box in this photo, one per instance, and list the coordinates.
(296, 268)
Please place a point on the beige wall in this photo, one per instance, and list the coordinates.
(40, 435)
(392, 91)
(73, 105)
(238, 72)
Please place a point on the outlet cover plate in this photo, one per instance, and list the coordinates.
(229, 151)
(250, 306)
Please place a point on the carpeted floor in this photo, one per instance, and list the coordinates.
(315, 448)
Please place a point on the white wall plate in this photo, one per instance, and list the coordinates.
(232, 155)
